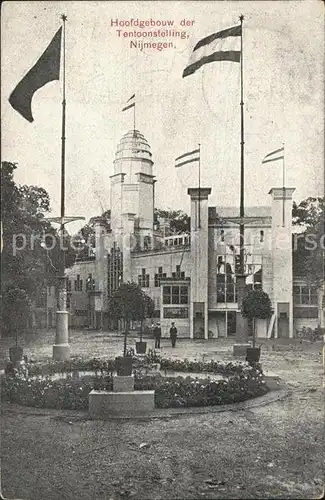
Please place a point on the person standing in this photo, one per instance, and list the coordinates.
(157, 335)
(173, 334)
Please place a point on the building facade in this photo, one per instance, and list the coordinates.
(192, 276)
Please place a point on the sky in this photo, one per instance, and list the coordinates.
(283, 60)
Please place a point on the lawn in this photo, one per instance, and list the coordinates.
(269, 451)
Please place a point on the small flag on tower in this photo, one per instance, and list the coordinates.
(278, 154)
(44, 71)
(130, 103)
(221, 46)
(187, 158)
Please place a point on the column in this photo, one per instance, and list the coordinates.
(282, 260)
(199, 257)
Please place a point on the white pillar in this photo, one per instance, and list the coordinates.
(199, 255)
(282, 256)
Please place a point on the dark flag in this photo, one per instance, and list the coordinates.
(183, 159)
(221, 46)
(44, 71)
(130, 103)
(278, 154)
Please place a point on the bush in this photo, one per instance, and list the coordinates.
(244, 382)
(310, 334)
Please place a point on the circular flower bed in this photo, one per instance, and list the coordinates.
(34, 384)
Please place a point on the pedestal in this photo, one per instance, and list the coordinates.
(104, 404)
(61, 348)
(239, 349)
(61, 352)
(124, 400)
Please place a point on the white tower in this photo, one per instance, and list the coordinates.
(199, 259)
(282, 260)
(132, 188)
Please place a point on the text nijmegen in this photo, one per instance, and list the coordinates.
(151, 45)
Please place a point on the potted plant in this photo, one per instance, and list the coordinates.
(146, 309)
(123, 364)
(256, 304)
(15, 312)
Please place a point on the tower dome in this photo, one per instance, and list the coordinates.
(133, 145)
(132, 185)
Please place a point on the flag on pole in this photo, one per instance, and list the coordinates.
(221, 46)
(278, 154)
(130, 103)
(183, 159)
(44, 71)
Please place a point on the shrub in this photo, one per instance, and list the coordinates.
(244, 382)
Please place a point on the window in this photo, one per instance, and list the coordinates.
(78, 284)
(261, 236)
(184, 294)
(158, 276)
(178, 273)
(167, 295)
(221, 288)
(143, 279)
(90, 283)
(147, 243)
(115, 269)
(175, 294)
(68, 303)
(313, 297)
(305, 296)
(222, 233)
(69, 285)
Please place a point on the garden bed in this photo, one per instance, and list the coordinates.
(35, 385)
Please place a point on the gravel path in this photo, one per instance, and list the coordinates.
(271, 451)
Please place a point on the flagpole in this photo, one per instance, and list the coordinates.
(61, 349)
(241, 322)
(63, 138)
(199, 186)
(134, 116)
(283, 186)
(242, 143)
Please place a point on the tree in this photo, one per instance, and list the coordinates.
(16, 308)
(256, 304)
(179, 220)
(130, 303)
(308, 240)
(31, 246)
(88, 230)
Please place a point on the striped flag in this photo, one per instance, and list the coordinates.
(46, 69)
(187, 158)
(130, 103)
(221, 46)
(278, 154)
